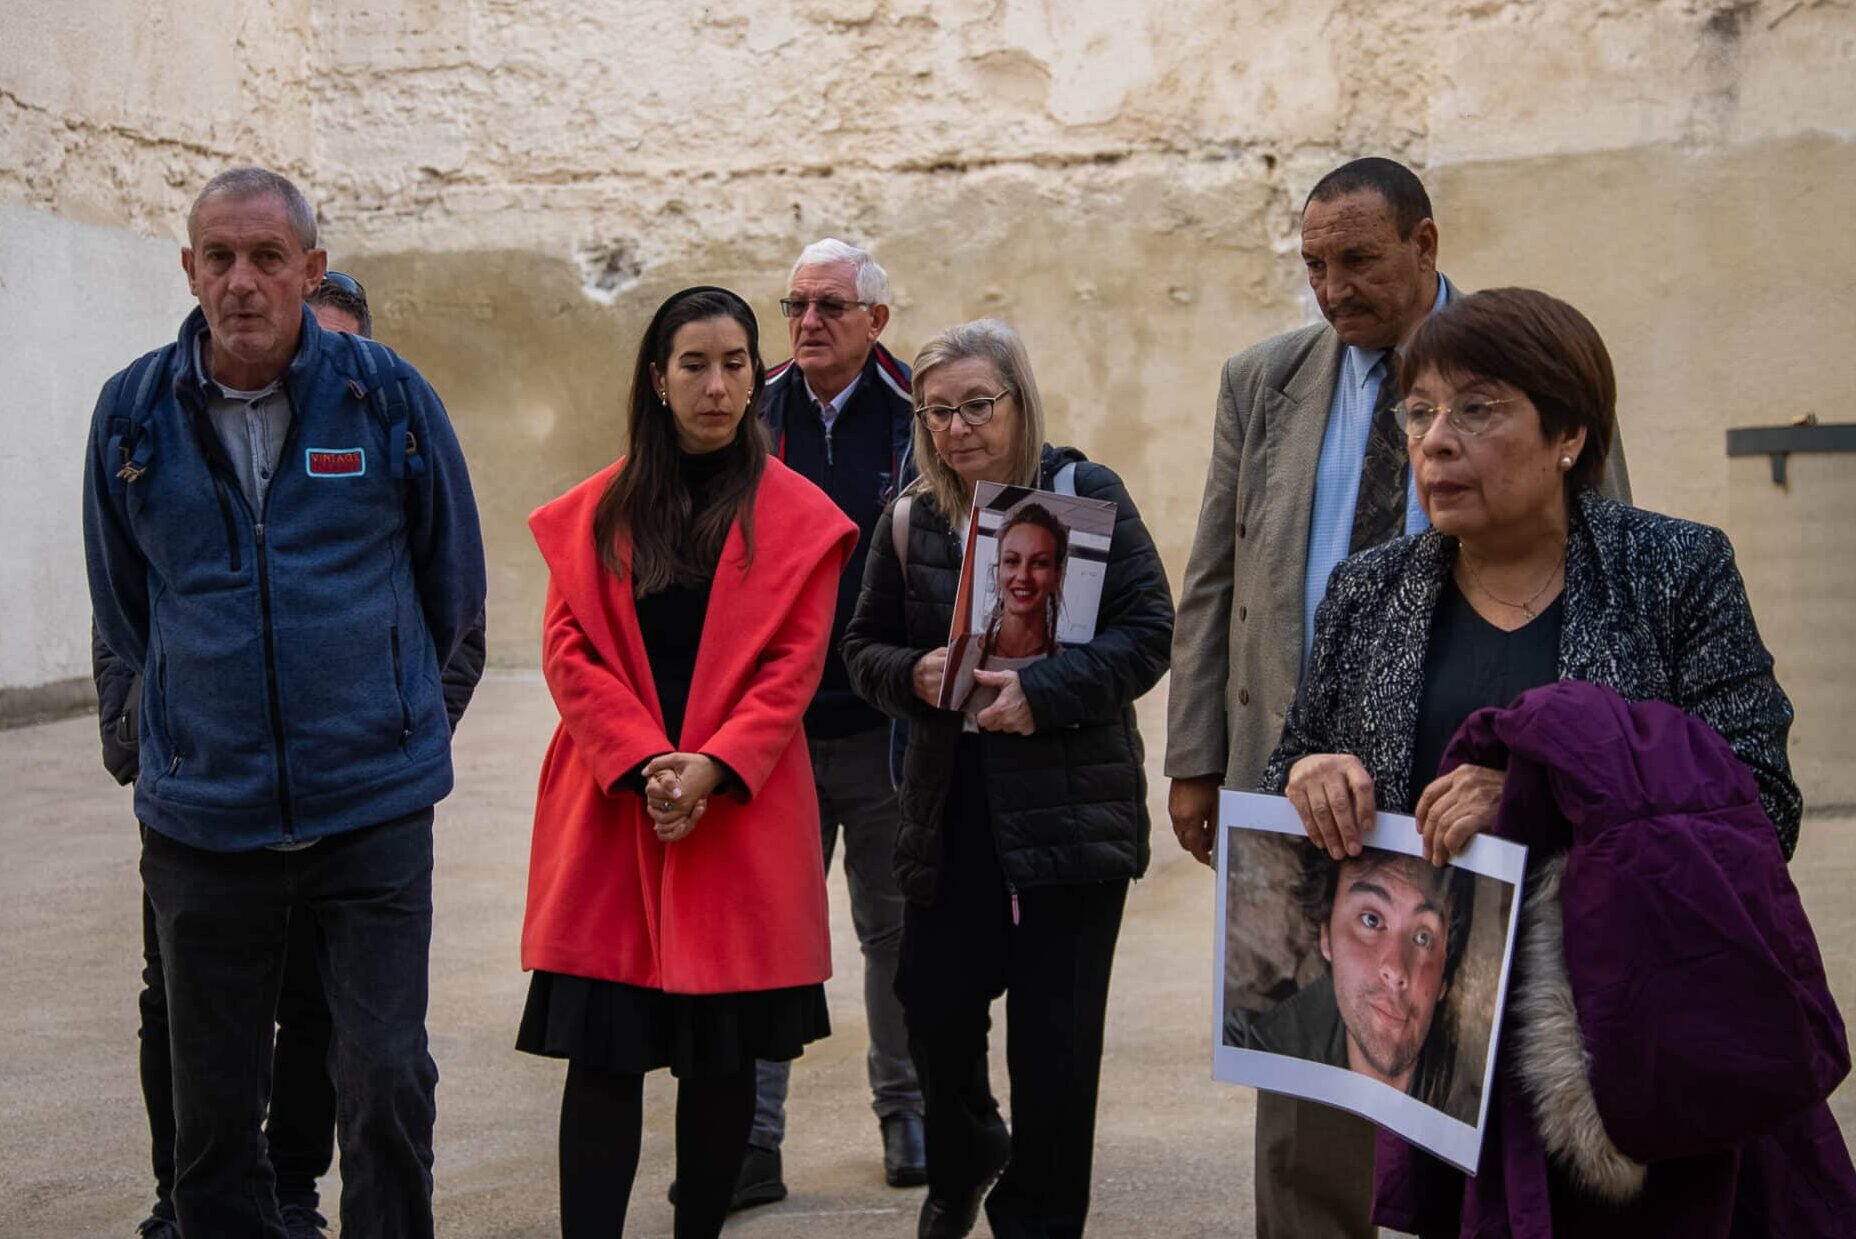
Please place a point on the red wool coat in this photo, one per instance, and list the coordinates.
(740, 903)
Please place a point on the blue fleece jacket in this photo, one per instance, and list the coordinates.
(290, 656)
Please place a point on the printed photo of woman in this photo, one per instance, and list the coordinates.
(1028, 589)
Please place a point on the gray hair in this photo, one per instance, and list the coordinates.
(872, 280)
(241, 183)
(997, 343)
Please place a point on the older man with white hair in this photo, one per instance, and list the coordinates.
(840, 413)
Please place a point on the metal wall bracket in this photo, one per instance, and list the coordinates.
(1779, 442)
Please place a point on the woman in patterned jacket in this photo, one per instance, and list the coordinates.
(1527, 576)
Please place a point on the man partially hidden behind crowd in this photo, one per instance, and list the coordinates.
(281, 539)
(340, 304)
(1392, 929)
(840, 415)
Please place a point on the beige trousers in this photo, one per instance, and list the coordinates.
(1314, 1171)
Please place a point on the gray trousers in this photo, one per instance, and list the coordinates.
(1314, 1171)
(852, 777)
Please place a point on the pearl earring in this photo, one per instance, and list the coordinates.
(1565, 462)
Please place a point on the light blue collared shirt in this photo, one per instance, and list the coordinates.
(252, 426)
(828, 410)
(1337, 476)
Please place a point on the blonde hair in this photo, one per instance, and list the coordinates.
(998, 344)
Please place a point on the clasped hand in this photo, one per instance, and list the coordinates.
(677, 787)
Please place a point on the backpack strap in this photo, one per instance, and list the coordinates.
(899, 515)
(383, 384)
(899, 532)
(131, 447)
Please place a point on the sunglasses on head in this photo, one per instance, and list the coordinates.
(346, 283)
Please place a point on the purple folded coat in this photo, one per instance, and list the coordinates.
(1670, 1040)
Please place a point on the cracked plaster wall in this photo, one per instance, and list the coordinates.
(520, 183)
(112, 114)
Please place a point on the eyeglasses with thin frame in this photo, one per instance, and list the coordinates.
(975, 412)
(828, 307)
(346, 283)
(1470, 417)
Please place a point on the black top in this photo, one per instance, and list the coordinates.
(1470, 664)
(670, 621)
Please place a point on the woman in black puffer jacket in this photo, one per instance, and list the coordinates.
(1023, 823)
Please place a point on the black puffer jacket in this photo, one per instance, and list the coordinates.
(1069, 803)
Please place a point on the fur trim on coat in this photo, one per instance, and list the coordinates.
(1551, 1056)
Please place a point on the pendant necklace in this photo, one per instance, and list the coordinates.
(1526, 608)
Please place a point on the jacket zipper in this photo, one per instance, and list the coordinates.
(270, 678)
(225, 517)
(218, 465)
(161, 681)
(400, 690)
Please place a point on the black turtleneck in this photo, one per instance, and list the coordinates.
(671, 620)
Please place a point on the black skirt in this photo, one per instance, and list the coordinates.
(632, 1029)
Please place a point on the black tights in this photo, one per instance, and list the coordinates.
(602, 1124)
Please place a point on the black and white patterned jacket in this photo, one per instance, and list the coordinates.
(1654, 609)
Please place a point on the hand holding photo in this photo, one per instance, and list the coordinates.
(1374, 982)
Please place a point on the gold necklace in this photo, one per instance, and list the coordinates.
(1525, 608)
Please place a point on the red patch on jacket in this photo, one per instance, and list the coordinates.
(335, 462)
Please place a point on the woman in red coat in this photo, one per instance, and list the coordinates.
(676, 895)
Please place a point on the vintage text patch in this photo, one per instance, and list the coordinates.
(335, 462)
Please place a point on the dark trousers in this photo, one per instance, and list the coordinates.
(961, 952)
(300, 1130)
(1314, 1171)
(851, 774)
(222, 921)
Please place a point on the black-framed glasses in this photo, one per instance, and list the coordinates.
(345, 283)
(827, 307)
(975, 412)
(1470, 417)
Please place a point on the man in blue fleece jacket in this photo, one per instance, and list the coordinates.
(281, 538)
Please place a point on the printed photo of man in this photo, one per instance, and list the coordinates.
(1392, 930)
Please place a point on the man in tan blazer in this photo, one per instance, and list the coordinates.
(1307, 467)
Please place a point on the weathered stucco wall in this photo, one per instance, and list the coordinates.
(520, 184)
(111, 115)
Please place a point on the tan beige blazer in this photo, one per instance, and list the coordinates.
(1237, 637)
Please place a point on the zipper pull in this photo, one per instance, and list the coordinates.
(257, 532)
(174, 766)
(1013, 891)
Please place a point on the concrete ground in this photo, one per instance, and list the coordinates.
(1173, 1148)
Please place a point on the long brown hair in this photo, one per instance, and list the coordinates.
(647, 500)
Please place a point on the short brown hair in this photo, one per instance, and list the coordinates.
(1539, 344)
